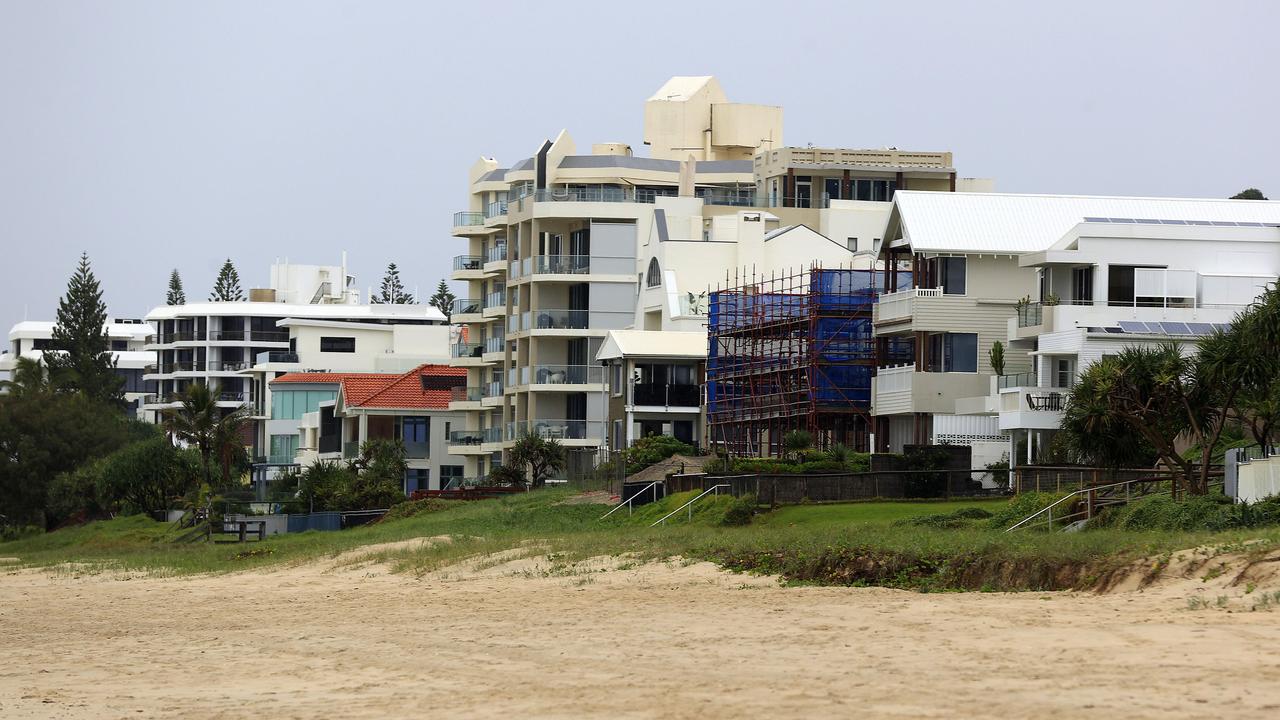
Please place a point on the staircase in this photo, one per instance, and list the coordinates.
(1080, 506)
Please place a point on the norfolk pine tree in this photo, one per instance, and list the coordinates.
(443, 300)
(392, 292)
(79, 358)
(227, 287)
(176, 296)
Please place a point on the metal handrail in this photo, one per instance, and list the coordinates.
(627, 502)
(1088, 511)
(713, 489)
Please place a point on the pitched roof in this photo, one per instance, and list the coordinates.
(1007, 223)
(653, 343)
(318, 377)
(407, 391)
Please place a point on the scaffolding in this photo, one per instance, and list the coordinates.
(791, 351)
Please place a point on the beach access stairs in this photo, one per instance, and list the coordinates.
(1073, 510)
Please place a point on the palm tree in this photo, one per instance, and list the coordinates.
(228, 442)
(195, 422)
(540, 456)
(796, 442)
(29, 378)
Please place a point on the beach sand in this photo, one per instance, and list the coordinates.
(522, 637)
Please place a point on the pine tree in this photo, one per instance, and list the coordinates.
(176, 296)
(443, 300)
(227, 287)
(392, 289)
(79, 356)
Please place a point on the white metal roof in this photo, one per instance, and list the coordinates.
(653, 343)
(44, 329)
(1006, 223)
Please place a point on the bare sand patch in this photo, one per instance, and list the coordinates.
(527, 634)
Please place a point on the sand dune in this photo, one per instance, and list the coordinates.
(522, 636)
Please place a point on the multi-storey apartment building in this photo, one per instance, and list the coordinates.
(1061, 281)
(552, 267)
(127, 337)
(301, 321)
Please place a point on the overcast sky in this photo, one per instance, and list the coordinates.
(156, 135)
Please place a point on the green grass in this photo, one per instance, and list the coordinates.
(876, 513)
(855, 543)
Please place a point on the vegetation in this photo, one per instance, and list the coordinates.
(212, 430)
(648, 451)
(996, 356)
(175, 296)
(443, 299)
(146, 476)
(227, 287)
(79, 357)
(373, 481)
(795, 442)
(537, 457)
(837, 459)
(392, 292)
(1249, 194)
(849, 544)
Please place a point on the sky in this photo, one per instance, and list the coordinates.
(162, 135)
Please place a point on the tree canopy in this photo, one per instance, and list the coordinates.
(443, 299)
(392, 292)
(80, 358)
(538, 456)
(1249, 194)
(175, 296)
(227, 287)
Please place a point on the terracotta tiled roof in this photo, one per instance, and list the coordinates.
(401, 391)
(316, 377)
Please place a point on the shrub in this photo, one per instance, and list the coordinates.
(740, 511)
(411, 508)
(964, 517)
(1202, 512)
(73, 495)
(147, 476)
(796, 442)
(507, 475)
(1020, 507)
(653, 449)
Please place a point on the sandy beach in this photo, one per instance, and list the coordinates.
(523, 638)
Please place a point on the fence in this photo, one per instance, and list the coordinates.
(843, 487)
(1060, 479)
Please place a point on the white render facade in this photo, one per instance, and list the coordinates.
(126, 338)
(1061, 281)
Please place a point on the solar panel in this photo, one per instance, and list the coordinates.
(1131, 326)
(1113, 330)
(1224, 223)
(1122, 220)
(1147, 221)
(1200, 328)
(1223, 326)
(1199, 222)
(1174, 222)
(1096, 219)
(1174, 328)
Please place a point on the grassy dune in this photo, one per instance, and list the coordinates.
(855, 543)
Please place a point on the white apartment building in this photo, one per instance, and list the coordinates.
(564, 248)
(127, 337)
(1061, 281)
(310, 318)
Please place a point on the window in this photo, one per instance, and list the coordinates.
(683, 431)
(852, 244)
(417, 479)
(415, 429)
(283, 448)
(119, 344)
(450, 475)
(338, 344)
(617, 378)
(653, 278)
(292, 404)
(953, 352)
(1082, 285)
(950, 274)
(1063, 376)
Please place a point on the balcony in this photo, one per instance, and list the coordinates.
(467, 219)
(269, 336)
(495, 209)
(555, 429)
(465, 394)
(497, 253)
(496, 300)
(465, 438)
(900, 390)
(351, 450)
(901, 306)
(329, 444)
(1032, 408)
(466, 350)
(561, 264)
(466, 306)
(564, 375)
(228, 365)
(228, 335)
(666, 395)
(549, 319)
(276, 356)
(236, 397)
(417, 450)
(181, 366)
(491, 389)
(495, 344)
(467, 262)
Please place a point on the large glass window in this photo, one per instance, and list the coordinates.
(292, 404)
(283, 448)
(953, 352)
(952, 273)
(415, 429)
(337, 344)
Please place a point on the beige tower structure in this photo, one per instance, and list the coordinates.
(690, 116)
